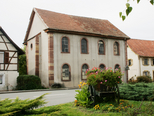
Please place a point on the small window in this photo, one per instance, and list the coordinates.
(146, 73)
(152, 61)
(84, 68)
(1, 57)
(84, 46)
(130, 62)
(65, 44)
(31, 46)
(1, 79)
(102, 67)
(145, 61)
(65, 72)
(117, 66)
(116, 48)
(101, 47)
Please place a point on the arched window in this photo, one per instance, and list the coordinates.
(65, 72)
(101, 47)
(116, 48)
(84, 46)
(102, 66)
(84, 68)
(65, 44)
(117, 66)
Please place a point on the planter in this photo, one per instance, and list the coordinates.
(101, 87)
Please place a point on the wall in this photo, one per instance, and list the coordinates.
(38, 27)
(135, 68)
(75, 59)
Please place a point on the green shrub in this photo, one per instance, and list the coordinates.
(82, 97)
(27, 82)
(137, 91)
(146, 79)
(17, 107)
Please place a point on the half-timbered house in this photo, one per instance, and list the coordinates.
(9, 53)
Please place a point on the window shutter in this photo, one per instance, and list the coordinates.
(6, 60)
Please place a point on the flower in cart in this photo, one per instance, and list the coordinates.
(118, 76)
(105, 80)
(101, 82)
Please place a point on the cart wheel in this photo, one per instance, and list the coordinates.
(92, 94)
(117, 94)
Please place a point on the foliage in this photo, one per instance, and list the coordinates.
(56, 85)
(27, 82)
(136, 91)
(19, 107)
(22, 65)
(145, 79)
(129, 9)
(82, 97)
(107, 76)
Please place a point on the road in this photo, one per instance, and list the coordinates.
(53, 98)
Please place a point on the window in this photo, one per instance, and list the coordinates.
(101, 47)
(130, 62)
(152, 61)
(84, 68)
(1, 60)
(117, 66)
(116, 48)
(102, 67)
(145, 61)
(146, 73)
(65, 72)
(84, 46)
(65, 44)
(1, 79)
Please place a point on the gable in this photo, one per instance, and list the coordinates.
(7, 44)
(62, 23)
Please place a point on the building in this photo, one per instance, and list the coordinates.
(9, 53)
(140, 58)
(60, 47)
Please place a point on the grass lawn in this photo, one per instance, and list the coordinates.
(69, 109)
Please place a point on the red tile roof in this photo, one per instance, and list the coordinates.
(142, 47)
(81, 25)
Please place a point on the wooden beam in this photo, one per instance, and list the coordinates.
(5, 43)
(10, 61)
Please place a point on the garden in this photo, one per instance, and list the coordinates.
(103, 93)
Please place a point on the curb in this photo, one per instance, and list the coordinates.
(36, 90)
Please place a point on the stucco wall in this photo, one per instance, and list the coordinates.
(75, 59)
(135, 67)
(38, 27)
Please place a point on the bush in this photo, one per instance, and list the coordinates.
(56, 85)
(82, 97)
(27, 82)
(137, 91)
(146, 79)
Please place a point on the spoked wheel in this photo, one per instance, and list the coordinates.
(92, 94)
(117, 94)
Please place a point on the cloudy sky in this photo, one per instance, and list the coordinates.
(15, 14)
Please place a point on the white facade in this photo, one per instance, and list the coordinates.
(137, 68)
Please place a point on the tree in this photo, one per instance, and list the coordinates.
(22, 63)
(129, 9)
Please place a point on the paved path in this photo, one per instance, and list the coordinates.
(53, 98)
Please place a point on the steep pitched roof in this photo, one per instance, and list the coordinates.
(58, 22)
(142, 47)
(19, 50)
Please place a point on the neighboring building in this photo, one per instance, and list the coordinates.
(140, 58)
(9, 53)
(60, 47)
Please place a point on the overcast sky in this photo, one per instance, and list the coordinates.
(15, 14)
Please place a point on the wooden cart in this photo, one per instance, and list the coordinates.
(94, 93)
